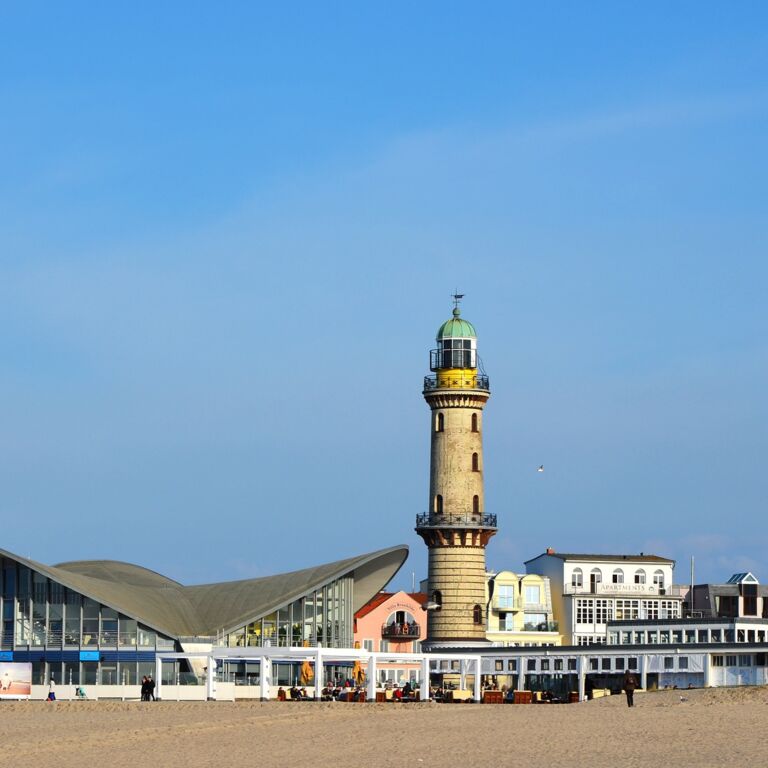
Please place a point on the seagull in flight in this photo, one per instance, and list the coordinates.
(541, 468)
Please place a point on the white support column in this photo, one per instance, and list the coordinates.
(580, 671)
(463, 674)
(371, 674)
(266, 677)
(158, 677)
(478, 670)
(210, 679)
(319, 676)
(424, 678)
(520, 673)
(708, 669)
(643, 662)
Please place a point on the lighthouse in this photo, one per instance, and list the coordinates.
(456, 527)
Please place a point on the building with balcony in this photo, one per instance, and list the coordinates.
(590, 591)
(102, 622)
(395, 622)
(520, 610)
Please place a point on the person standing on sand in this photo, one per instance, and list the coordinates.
(150, 688)
(629, 683)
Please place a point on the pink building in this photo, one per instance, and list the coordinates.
(393, 622)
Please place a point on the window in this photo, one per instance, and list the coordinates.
(474, 422)
(619, 665)
(639, 576)
(593, 665)
(475, 505)
(577, 578)
(658, 578)
(606, 665)
(475, 463)
(477, 614)
(505, 596)
(618, 576)
(437, 598)
(498, 665)
(585, 611)
(730, 661)
(682, 662)
(368, 645)
(717, 660)
(558, 665)
(512, 665)
(595, 578)
(438, 504)
(603, 611)
(745, 660)
(545, 665)
(533, 595)
(669, 662)
(749, 593)
(439, 423)
(571, 665)
(632, 662)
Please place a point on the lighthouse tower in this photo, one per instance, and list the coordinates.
(456, 528)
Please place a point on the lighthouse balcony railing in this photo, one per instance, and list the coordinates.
(455, 520)
(456, 380)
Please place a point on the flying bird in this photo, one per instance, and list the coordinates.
(541, 468)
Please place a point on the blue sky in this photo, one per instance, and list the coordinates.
(229, 235)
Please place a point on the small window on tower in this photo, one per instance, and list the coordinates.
(475, 463)
(477, 614)
(439, 423)
(437, 599)
(474, 422)
(438, 504)
(475, 505)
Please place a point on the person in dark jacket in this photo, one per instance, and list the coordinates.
(629, 684)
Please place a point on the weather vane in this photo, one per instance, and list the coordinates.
(457, 297)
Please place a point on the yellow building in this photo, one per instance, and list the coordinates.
(520, 610)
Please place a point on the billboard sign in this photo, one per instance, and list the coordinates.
(15, 680)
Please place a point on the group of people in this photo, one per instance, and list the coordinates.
(340, 692)
(147, 688)
(400, 629)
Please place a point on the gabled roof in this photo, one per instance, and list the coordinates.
(382, 597)
(175, 610)
(743, 578)
(641, 558)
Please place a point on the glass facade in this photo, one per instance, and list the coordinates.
(49, 625)
(323, 616)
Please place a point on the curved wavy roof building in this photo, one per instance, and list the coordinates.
(101, 621)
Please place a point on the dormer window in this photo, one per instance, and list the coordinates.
(618, 576)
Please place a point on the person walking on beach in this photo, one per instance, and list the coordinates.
(144, 689)
(150, 688)
(629, 684)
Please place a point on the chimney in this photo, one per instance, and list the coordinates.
(550, 551)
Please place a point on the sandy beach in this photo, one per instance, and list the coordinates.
(713, 727)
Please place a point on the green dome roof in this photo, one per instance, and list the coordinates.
(456, 328)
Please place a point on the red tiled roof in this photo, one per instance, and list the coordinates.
(382, 597)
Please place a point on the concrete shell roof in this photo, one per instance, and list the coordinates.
(177, 611)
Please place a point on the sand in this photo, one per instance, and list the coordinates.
(712, 727)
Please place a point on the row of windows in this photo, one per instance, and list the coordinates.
(679, 636)
(440, 422)
(603, 610)
(617, 577)
(740, 660)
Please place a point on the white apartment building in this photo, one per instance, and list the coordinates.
(589, 591)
